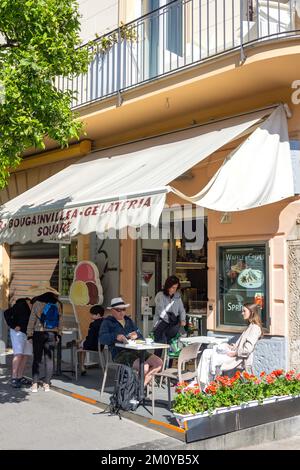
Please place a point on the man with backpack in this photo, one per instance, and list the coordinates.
(119, 328)
(44, 329)
(17, 318)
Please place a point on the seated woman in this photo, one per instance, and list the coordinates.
(90, 343)
(226, 357)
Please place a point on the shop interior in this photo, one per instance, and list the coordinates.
(161, 258)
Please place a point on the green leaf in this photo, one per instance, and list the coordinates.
(44, 37)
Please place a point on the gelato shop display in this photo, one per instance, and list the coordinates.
(86, 288)
(242, 279)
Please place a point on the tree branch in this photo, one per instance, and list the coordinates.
(7, 45)
(9, 42)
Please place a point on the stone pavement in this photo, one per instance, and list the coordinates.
(293, 443)
(54, 421)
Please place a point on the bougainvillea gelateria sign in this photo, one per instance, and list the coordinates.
(64, 223)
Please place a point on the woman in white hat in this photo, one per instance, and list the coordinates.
(44, 329)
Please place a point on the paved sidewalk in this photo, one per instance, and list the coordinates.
(54, 421)
(293, 443)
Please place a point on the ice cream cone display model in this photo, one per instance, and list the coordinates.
(85, 291)
(86, 287)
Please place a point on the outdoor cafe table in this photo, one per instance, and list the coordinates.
(203, 340)
(142, 348)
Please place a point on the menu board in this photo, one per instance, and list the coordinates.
(242, 279)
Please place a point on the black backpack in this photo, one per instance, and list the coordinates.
(9, 317)
(127, 391)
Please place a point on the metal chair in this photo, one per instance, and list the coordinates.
(187, 354)
(108, 363)
(79, 351)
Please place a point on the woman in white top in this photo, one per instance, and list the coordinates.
(170, 313)
(226, 357)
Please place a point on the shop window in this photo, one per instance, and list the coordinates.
(68, 262)
(242, 279)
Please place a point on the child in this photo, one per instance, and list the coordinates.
(91, 341)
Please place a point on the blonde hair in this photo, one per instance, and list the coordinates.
(255, 315)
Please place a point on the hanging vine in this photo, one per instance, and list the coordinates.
(105, 43)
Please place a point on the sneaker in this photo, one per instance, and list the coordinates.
(46, 387)
(34, 388)
(25, 381)
(134, 404)
(15, 383)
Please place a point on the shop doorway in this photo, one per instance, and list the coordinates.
(161, 257)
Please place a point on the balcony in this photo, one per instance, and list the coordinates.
(178, 36)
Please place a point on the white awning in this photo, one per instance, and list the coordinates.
(115, 188)
(259, 172)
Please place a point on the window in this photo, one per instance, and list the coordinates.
(68, 262)
(175, 28)
(242, 279)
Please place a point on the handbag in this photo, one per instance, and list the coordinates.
(173, 319)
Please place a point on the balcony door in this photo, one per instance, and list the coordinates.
(151, 47)
(163, 35)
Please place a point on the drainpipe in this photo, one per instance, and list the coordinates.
(119, 97)
(243, 56)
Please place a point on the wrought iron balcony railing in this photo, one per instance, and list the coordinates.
(180, 34)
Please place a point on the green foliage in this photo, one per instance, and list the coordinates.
(105, 43)
(40, 41)
(242, 388)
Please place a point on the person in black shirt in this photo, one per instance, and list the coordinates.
(91, 341)
(17, 318)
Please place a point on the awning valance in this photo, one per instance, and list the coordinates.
(118, 187)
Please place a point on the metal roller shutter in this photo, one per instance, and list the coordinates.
(31, 263)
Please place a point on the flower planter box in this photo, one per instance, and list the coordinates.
(222, 421)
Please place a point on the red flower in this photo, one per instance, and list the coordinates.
(263, 374)
(298, 377)
(246, 376)
(270, 379)
(289, 376)
(278, 372)
(237, 375)
(212, 388)
(182, 384)
(249, 376)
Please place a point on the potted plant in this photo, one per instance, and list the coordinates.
(226, 394)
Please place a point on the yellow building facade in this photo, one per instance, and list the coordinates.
(183, 64)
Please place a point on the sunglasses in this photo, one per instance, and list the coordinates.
(120, 309)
